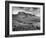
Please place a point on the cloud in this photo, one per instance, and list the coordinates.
(31, 10)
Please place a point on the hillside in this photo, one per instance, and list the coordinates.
(25, 21)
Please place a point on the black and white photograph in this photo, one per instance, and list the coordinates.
(25, 18)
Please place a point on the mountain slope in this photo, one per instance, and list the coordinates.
(25, 21)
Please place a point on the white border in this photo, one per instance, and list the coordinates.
(25, 32)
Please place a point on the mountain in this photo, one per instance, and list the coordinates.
(23, 13)
(22, 16)
(24, 21)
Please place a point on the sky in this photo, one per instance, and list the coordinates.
(30, 10)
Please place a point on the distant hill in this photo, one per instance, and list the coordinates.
(26, 17)
(23, 13)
